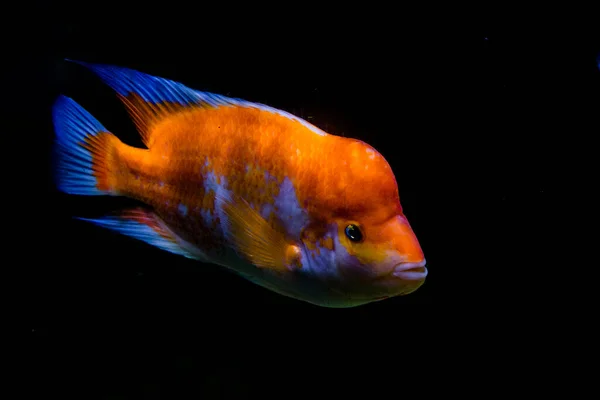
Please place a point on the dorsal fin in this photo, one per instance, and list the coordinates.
(149, 98)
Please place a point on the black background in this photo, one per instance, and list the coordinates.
(472, 108)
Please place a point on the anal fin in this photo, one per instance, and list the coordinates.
(146, 226)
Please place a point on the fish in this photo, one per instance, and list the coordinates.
(256, 190)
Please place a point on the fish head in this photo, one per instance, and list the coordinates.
(377, 260)
(376, 253)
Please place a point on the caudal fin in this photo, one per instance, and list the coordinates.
(84, 151)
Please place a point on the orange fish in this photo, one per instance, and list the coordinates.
(304, 213)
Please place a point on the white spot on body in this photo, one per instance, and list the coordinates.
(207, 217)
(269, 177)
(289, 211)
(212, 183)
(371, 153)
(221, 194)
(323, 262)
(182, 209)
(267, 209)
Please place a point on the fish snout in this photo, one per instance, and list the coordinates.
(411, 271)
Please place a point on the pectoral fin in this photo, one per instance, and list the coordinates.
(257, 241)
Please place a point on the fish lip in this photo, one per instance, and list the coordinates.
(411, 271)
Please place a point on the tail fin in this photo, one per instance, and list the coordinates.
(83, 151)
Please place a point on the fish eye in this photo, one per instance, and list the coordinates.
(354, 234)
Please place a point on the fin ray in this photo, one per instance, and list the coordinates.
(149, 98)
(149, 228)
(80, 150)
(256, 240)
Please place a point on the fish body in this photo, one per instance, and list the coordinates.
(257, 190)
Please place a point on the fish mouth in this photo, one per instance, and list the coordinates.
(412, 271)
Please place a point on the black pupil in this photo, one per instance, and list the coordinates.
(353, 233)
